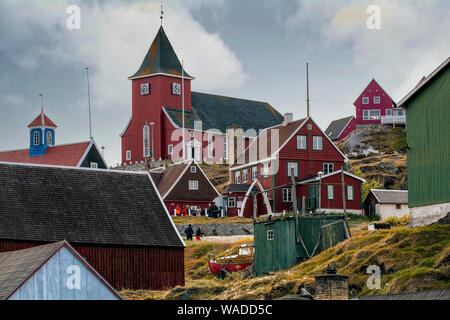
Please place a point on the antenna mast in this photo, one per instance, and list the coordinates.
(89, 103)
(182, 103)
(307, 91)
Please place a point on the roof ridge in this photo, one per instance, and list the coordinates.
(222, 96)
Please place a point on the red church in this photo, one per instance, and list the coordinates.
(160, 90)
(262, 175)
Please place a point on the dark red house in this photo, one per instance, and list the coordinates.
(182, 184)
(155, 129)
(339, 129)
(299, 146)
(116, 220)
(373, 104)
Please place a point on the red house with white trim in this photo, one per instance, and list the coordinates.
(300, 146)
(160, 89)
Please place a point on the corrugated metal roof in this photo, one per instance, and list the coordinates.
(390, 196)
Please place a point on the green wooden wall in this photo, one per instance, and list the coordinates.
(428, 136)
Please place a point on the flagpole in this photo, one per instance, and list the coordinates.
(182, 103)
(89, 103)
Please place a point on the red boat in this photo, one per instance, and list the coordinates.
(226, 265)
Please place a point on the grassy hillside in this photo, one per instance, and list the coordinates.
(410, 260)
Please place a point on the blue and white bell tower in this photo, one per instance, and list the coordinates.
(42, 134)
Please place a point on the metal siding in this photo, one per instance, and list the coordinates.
(428, 138)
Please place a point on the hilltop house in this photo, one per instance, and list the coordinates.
(386, 203)
(54, 271)
(182, 184)
(428, 143)
(302, 148)
(43, 150)
(159, 93)
(339, 129)
(116, 220)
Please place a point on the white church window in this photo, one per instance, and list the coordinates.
(146, 135)
(128, 155)
(36, 138)
(49, 138)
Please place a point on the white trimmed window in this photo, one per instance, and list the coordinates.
(309, 126)
(371, 114)
(193, 169)
(94, 165)
(290, 166)
(128, 155)
(265, 170)
(244, 176)
(146, 140)
(36, 138)
(193, 184)
(170, 149)
(287, 195)
(237, 177)
(301, 142)
(327, 167)
(365, 100)
(389, 112)
(270, 235)
(232, 202)
(49, 138)
(210, 145)
(317, 143)
(254, 173)
(376, 100)
(330, 192)
(350, 193)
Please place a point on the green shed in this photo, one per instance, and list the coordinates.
(277, 247)
(428, 137)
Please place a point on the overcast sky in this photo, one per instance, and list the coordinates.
(254, 49)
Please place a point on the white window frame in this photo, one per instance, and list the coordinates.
(309, 126)
(170, 149)
(330, 192)
(270, 235)
(36, 138)
(316, 145)
(289, 166)
(94, 165)
(237, 177)
(193, 184)
(368, 116)
(301, 142)
(286, 195)
(365, 100)
(49, 138)
(265, 170)
(146, 140)
(350, 194)
(244, 175)
(254, 173)
(389, 112)
(193, 169)
(327, 165)
(233, 202)
(128, 155)
(377, 101)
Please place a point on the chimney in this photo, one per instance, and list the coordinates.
(331, 286)
(288, 118)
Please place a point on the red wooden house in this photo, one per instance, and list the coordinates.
(155, 129)
(299, 146)
(375, 106)
(182, 184)
(339, 129)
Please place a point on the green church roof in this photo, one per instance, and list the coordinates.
(160, 58)
(219, 112)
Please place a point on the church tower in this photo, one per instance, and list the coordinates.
(156, 84)
(42, 134)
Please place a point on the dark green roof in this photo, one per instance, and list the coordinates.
(219, 112)
(160, 58)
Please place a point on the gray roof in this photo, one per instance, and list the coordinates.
(390, 196)
(239, 188)
(420, 295)
(336, 127)
(87, 206)
(220, 112)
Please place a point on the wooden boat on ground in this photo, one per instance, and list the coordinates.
(220, 266)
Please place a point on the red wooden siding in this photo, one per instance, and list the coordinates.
(124, 267)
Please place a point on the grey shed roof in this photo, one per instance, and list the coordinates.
(336, 127)
(220, 112)
(239, 188)
(390, 196)
(420, 295)
(87, 206)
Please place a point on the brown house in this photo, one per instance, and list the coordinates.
(184, 183)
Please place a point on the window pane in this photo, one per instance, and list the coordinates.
(330, 192)
(301, 142)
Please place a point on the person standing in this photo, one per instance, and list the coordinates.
(189, 232)
(198, 233)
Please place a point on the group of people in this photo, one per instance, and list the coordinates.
(189, 231)
(213, 210)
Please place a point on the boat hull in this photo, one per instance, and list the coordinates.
(216, 267)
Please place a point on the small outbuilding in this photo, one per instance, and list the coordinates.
(386, 203)
(54, 271)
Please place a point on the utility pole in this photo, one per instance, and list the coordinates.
(343, 193)
(294, 203)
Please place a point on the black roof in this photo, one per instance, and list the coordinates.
(239, 188)
(89, 206)
(220, 112)
(335, 127)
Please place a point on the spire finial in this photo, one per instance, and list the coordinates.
(162, 14)
(42, 102)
